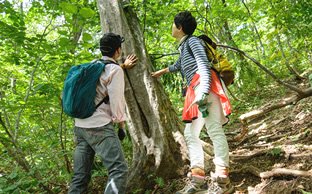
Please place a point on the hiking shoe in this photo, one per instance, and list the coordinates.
(197, 185)
(220, 184)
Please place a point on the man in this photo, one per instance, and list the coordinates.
(202, 107)
(96, 134)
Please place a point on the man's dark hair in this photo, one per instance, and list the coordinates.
(109, 43)
(187, 21)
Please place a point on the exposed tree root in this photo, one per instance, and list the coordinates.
(256, 146)
(247, 169)
(247, 157)
(266, 138)
(245, 139)
(274, 173)
(301, 156)
(207, 148)
(285, 172)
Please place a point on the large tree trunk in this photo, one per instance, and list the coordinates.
(159, 148)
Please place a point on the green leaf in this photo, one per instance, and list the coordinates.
(87, 45)
(86, 37)
(64, 41)
(10, 188)
(38, 87)
(277, 151)
(13, 175)
(293, 60)
(69, 8)
(63, 32)
(86, 12)
(276, 54)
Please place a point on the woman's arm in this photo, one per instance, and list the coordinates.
(159, 73)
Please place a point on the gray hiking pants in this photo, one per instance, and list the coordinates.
(105, 143)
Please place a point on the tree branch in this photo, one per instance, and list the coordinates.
(6, 116)
(5, 128)
(162, 55)
(292, 87)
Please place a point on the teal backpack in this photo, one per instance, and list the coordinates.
(80, 87)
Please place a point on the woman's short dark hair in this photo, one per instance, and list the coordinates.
(187, 21)
(109, 43)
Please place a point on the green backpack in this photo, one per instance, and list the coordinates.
(80, 87)
(219, 63)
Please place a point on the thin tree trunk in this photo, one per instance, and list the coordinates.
(282, 50)
(308, 50)
(159, 148)
(293, 54)
(231, 40)
(255, 27)
(256, 43)
(284, 56)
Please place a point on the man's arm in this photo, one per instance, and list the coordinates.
(115, 90)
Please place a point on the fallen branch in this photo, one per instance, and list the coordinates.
(285, 172)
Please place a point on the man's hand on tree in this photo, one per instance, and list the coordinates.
(129, 62)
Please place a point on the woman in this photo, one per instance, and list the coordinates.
(204, 93)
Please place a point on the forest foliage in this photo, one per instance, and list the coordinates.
(42, 39)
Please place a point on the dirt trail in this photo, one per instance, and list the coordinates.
(280, 141)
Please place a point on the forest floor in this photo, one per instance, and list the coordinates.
(278, 145)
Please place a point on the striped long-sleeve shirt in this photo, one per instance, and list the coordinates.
(188, 66)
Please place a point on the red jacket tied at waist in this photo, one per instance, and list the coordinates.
(216, 87)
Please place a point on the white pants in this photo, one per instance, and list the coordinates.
(213, 123)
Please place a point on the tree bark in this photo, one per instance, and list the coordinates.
(159, 148)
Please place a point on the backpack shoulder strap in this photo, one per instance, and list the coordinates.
(206, 47)
(106, 99)
(107, 61)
